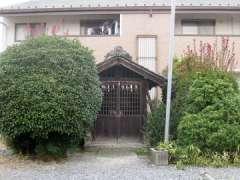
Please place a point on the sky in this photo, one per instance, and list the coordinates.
(10, 2)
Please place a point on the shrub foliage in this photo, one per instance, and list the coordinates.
(196, 86)
(154, 127)
(192, 155)
(205, 109)
(184, 71)
(212, 116)
(48, 86)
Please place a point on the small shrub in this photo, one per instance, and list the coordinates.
(154, 127)
(236, 159)
(219, 160)
(56, 145)
(181, 155)
(192, 155)
(217, 57)
(180, 165)
(171, 148)
(49, 94)
(186, 155)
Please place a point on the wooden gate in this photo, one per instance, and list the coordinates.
(121, 114)
(125, 85)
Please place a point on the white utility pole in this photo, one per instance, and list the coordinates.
(170, 69)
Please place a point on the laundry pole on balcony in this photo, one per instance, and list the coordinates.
(170, 69)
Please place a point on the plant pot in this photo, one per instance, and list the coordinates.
(159, 157)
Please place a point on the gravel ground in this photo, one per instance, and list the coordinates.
(104, 165)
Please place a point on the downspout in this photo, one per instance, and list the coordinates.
(3, 23)
(151, 13)
(4, 34)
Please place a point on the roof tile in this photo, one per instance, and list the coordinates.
(116, 3)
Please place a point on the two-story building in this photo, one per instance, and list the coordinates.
(141, 27)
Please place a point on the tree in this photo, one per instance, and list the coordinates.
(49, 88)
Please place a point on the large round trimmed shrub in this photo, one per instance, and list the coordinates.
(49, 88)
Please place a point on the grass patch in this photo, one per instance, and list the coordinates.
(142, 151)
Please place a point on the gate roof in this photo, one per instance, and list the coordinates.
(119, 57)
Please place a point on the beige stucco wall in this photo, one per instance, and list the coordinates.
(133, 25)
(227, 25)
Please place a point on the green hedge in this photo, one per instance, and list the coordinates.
(208, 88)
(211, 120)
(48, 85)
(186, 71)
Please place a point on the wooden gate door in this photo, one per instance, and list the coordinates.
(121, 114)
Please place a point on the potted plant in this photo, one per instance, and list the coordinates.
(160, 154)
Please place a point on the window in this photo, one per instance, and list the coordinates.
(26, 30)
(147, 52)
(189, 27)
(198, 27)
(147, 55)
(106, 27)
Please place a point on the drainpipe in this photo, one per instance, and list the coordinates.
(4, 35)
(4, 42)
(3, 23)
(170, 69)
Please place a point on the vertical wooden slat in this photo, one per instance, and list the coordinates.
(125, 117)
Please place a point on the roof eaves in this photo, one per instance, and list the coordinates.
(115, 7)
(146, 73)
(81, 9)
